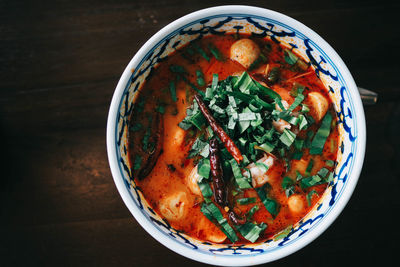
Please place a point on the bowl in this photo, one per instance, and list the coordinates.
(331, 70)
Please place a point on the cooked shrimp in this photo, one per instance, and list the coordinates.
(281, 125)
(191, 182)
(258, 175)
(245, 52)
(174, 207)
(319, 105)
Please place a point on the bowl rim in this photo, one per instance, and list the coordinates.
(223, 259)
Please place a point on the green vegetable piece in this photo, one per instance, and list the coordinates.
(177, 69)
(322, 134)
(310, 195)
(252, 211)
(323, 172)
(310, 181)
(160, 109)
(200, 78)
(297, 155)
(302, 122)
(244, 83)
(273, 75)
(287, 137)
(284, 233)
(201, 52)
(205, 190)
(245, 201)
(197, 147)
(251, 231)
(290, 58)
(203, 168)
(216, 53)
(137, 163)
(241, 181)
(262, 166)
(198, 120)
(330, 163)
(212, 212)
(288, 186)
(136, 127)
(172, 90)
(271, 205)
(309, 167)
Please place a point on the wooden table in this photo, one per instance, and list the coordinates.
(59, 64)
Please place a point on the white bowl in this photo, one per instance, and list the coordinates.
(333, 72)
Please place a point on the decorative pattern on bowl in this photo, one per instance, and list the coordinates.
(346, 104)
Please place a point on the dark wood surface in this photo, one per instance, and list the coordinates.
(59, 64)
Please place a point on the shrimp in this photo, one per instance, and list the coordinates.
(191, 182)
(258, 175)
(245, 52)
(209, 231)
(174, 207)
(319, 104)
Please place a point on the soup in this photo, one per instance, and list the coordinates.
(233, 139)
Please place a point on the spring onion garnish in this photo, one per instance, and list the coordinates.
(309, 167)
(241, 180)
(329, 163)
(197, 147)
(214, 214)
(251, 231)
(137, 163)
(271, 205)
(216, 53)
(160, 109)
(288, 186)
(310, 181)
(172, 90)
(201, 52)
(200, 78)
(136, 127)
(283, 233)
(203, 168)
(251, 212)
(322, 134)
(245, 201)
(287, 137)
(309, 196)
(206, 191)
(290, 58)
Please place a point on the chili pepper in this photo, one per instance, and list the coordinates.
(217, 174)
(223, 136)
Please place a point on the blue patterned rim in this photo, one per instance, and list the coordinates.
(344, 115)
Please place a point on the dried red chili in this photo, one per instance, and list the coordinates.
(223, 136)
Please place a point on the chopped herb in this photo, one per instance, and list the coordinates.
(251, 212)
(322, 134)
(310, 181)
(330, 163)
(177, 69)
(172, 90)
(201, 51)
(137, 163)
(136, 127)
(205, 190)
(271, 205)
(309, 167)
(284, 233)
(160, 109)
(245, 201)
(287, 137)
(237, 173)
(216, 53)
(197, 147)
(251, 231)
(309, 196)
(212, 212)
(323, 172)
(200, 78)
(262, 166)
(288, 186)
(203, 168)
(290, 58)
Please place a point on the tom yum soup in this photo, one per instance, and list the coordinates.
(233, 139)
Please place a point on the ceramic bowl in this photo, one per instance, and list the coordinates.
(331, 70)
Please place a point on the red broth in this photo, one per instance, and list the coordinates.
(167, 180)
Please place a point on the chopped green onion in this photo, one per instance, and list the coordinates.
(136, 127)
(329, 163)
(237, 173)
(322, 134)
(201, 52)
(297, 155)
(172, 90)
(284, 233)
(245, 201)
(200, 78)
(197, 147)
(212, 212)
(177, 69)
(288, 186)
(203, 168)
(251, 231)
(251, 212)
(271, 205)
(302, 122)
(287, 137)
(290, 58)
(205, 190)
(310, 181)
(323, 172)
(262, 166)
(216, 53)
(309, 196)
(160, 109)
(137, 163)
(309, 167)
(197, 120)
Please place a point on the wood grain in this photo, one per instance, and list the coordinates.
(59, 64)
